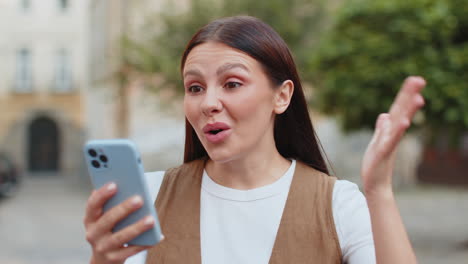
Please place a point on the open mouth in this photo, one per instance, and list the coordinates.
(215, 131)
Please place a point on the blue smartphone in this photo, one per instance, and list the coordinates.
(118, 160)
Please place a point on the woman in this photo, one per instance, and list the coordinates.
(254, 187)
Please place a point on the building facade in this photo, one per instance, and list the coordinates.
(115, 109)
(42, 81)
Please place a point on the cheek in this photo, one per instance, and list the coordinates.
(190, 109)
(260, 101)
(255, 108)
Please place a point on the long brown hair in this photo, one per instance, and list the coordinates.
(294, 134)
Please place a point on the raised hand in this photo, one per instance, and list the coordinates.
(379, 158)
(391, 241)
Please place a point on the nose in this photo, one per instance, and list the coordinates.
(211, 103)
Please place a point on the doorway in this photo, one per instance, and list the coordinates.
(43, 145)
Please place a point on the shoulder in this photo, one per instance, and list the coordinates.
(345, 189)
(153, 181)
(184, 176)
(347, 199)
(352, 222)
(154, 177)
(319, 177)
(185, 168)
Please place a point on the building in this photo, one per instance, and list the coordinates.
(42, 82)
(116, 110)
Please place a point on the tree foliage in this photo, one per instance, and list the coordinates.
(159, 51)
(374, 44)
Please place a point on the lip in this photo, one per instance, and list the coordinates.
(219, 137)
(215, 126)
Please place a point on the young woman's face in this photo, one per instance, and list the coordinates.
(228, 100)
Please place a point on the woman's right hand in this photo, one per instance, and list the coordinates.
(108, 247)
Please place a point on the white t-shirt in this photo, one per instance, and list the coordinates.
(240, 226)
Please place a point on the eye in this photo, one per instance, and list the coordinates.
(195, 89)
(232, 85)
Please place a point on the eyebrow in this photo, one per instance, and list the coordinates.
(192, 72)
(229, 66)
(221, 70)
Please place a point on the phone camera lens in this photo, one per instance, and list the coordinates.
(92, 153)
(103, 158)
(96, 164)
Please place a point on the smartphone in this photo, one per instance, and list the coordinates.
(118, 160)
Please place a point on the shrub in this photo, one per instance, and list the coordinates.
(374, 44)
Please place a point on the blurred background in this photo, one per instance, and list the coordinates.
(73, 70)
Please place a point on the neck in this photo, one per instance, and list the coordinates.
(257, 169)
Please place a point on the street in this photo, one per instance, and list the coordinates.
(437, 222)
(42, 223)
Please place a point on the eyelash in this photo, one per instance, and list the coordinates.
(190, 88)
(236, 84)
(227, 85)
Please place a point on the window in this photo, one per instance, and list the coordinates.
(25, 5)
(23, 80)
(63, 4)
(62, 79)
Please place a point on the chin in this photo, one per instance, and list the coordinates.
(221, 156)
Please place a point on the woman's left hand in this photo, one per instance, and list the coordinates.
(379, 158)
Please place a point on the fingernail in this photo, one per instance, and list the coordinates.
(111, 187)
(136, 201)
(149, 220)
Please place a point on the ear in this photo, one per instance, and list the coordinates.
(283, 96)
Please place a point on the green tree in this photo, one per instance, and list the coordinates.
(299, 22)
(374, 44)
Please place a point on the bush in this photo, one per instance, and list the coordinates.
(374, 44)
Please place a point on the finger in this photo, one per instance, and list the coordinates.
(392, 132)
(409, 99)
(378, 128)
(380, 121)
(413, 104)
(117, 213)
(125, 235)
(97, 200)
(411, 85)
(125, 252)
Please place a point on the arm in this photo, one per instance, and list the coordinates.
(392, 244)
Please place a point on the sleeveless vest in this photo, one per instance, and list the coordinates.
(306, 233)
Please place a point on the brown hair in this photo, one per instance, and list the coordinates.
(294, 134)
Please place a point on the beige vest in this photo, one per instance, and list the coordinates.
(306, 234)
